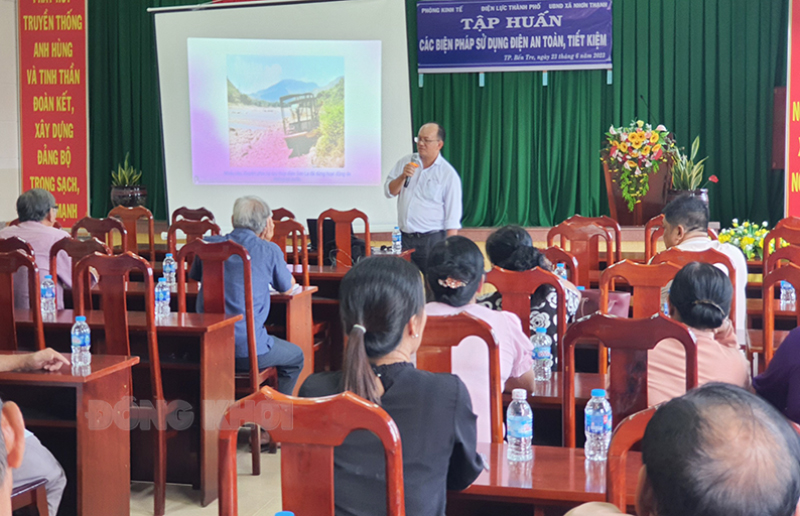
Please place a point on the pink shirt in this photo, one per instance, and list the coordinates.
(41, 238)
(718, 360)
(470, 359)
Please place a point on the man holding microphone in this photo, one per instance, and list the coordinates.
(429, 195)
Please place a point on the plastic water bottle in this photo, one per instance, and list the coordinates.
(397, 241)
(597, 426)
(162, 298)
(561, 270)
(519, 419)
(168, 268)
(665, 308)
(542, 356)
(788, 294)
(48, 296)
(81, 337)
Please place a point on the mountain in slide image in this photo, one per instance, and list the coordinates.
(284, 87)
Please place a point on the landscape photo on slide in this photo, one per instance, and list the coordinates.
(286, 111)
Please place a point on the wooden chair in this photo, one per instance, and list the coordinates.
(193, 229)
(213, 256)
(129, 218)
(556, 255)
(33, 494)
(10, 244)
(788, 233)
(517, 289)
(583, 244)
(710, 256)
(343, 221)
(605, 222)
(101, 229)
(112, 272)
(308, 430)
(442, 334)
(184, 213)
(77, 249)
(281, 215)
(9, 264)
(791, 254)
(630, 339)
(286, 229)
(15, 222)
(629, 432)
(654, 229)
(790, 273)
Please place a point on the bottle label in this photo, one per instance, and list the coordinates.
(597, 423)
(83, 340)
(542, 353)
(47, 292)
(520, 427)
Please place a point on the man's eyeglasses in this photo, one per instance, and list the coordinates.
(425, 141)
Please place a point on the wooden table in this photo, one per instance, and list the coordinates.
(327, 278)
(197, 363)
(547, 394)
(71, 413)
(559, 477)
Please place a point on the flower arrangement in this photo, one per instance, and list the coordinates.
(633, 155)
(749, 237)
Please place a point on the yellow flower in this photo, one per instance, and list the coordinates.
(654, 137)
(640, 123)
(637, 144)
(724, 237)
(746, 224)
(623, 147)
(634, 153)
(632, 164)
(747, 240)
(646, 150)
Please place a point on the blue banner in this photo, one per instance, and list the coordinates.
(502, 35)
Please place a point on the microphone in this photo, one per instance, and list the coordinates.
(415, 160)
(647, 106)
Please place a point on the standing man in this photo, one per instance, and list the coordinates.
(429, 195)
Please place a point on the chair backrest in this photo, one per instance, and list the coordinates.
(112, 273)
(583, 244)
(213, 255)
(790, 273)
(789, 253)
(77, 249)
(15, 222)
(10, 262)
(101, 229)
(193, 229)
(629, 431)
(605, 222)
(290, 228)
(191, 214)
(787, 233)
(308, 430)
(281, 214)
(646, 281)
(556, 255)
(517, 289)
(442, 334)
(654, 229)
(15, 243)
(630, 339)
(129, 218)
(711, 256)
(343, 221)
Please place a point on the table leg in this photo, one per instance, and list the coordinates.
(299, 323)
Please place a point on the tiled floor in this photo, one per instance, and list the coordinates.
(258, 496)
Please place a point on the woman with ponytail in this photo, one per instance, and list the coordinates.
(511, 248)
(382, 306)
(700, 297)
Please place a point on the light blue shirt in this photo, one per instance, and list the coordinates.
(432, 200)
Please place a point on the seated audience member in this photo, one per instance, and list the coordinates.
(511, 248)
(252, 229)
(717, 451)
(780, 383)
(382, 306)
(686, 228)
(38, 463)
(700, 297)
(12, 451)
(455, 275)
(37, 210)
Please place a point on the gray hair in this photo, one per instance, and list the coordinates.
(35, 205)
(251, 212)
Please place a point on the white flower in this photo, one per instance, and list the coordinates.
(611, 130)
(765, 224)
(660, 128)
(735, 221)
(623, 137)
(637, 172)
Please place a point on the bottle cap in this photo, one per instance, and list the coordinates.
(80, 318)
(48, 276)
(284, 513)
(541, 330)
(519, 394)
(581, 287)
(560, 264)
(168, 255)
(598, 393)
(162, 280)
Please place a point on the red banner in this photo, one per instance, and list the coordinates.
(53, 102)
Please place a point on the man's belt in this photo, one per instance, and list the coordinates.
(420, 235)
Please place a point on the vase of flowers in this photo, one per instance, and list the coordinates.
(637, 161)
(126, 187)
(747, 236)
(687, 176)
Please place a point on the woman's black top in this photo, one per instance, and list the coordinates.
(433, 412)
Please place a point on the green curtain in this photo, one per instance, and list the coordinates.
(529, 154)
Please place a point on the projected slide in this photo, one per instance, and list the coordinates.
(285, 111)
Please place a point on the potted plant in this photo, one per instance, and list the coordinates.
(125, 187)
(687, 175)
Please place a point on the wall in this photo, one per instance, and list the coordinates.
(9, 113)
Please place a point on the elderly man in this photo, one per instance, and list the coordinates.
(37, 210)
(253, 229)
(429, 195)
(716, 451)
(686, 228)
